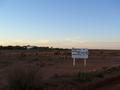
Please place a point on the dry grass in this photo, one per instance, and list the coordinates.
(24, 77)
(27, 75)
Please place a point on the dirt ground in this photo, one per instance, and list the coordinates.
(61, 65)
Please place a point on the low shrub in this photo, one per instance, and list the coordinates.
(88, 76)
(113, 69)
(22, 77)
(85, 76)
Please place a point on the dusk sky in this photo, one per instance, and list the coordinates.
(61, 23)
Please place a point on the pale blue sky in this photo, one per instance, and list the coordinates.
(60, 23)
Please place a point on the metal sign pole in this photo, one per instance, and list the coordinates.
(85, 62)
(73, 62)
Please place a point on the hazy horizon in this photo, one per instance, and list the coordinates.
(93, 24)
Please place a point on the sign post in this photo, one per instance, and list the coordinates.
(73, 62)
(81, 53)
(85, 62)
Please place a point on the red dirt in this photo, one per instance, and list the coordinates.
(97, 60)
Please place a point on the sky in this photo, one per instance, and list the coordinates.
(61, 23)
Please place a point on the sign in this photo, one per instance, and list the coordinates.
(79, 53)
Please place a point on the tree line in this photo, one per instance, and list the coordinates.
(28, 47)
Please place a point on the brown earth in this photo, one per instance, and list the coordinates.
(59, 63)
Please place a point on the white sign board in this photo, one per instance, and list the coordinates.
(79, 53)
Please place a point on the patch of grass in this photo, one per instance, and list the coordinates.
(85, 76)
(22, 77)
(104, 68)
(88, 76)
(99, 74)
(113, 69)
